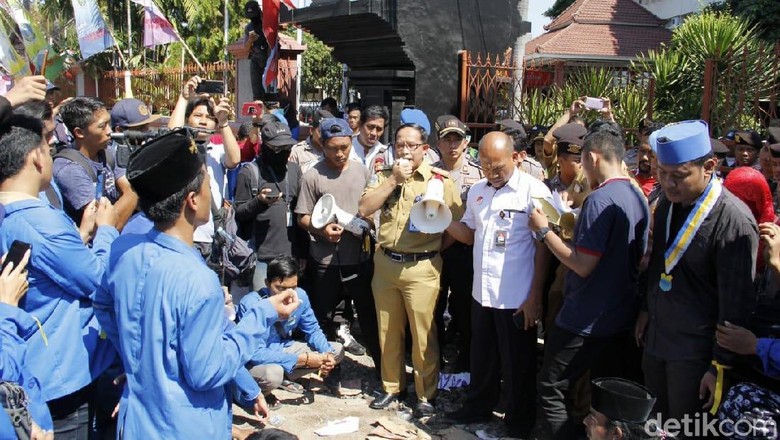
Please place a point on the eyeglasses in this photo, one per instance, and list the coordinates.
(492, 170)
(410, 147)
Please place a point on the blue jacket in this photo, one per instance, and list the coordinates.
(15, 326)
(768, 350)
(63, 276)
(279, 337)
(164, 310)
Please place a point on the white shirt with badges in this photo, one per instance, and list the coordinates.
(503, 243)
(358, 153)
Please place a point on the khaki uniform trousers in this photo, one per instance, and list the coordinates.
(407, 292)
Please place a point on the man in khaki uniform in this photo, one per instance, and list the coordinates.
(458, 259)
(522, 161)
(407, 269)
(307, 153)
(570, 177)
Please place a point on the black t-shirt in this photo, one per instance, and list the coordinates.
(613, 225)
(273, 227)
(260, 46)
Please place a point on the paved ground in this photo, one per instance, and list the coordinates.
(302, 418)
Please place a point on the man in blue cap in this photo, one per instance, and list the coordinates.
(339, 264)
(701, 270)
(131, 114)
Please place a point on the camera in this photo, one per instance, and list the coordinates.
(129, 141)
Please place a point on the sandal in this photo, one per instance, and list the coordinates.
(291, 387)
(273, 402)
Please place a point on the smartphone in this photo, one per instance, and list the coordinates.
(15, 253)
(519, 320)
(251, 109)
(594, 103)
(273, 194)
(211, 87)
(100, 186)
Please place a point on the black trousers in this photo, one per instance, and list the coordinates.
(675, 385)
(567, 356)
(499, 350)
(256, 68)
(327, 289)
(457, 277)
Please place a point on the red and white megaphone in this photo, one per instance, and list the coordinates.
(431, 215)
(326, 211)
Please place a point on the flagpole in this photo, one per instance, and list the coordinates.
(127, 74)
(226, 24)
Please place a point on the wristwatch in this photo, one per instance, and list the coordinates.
(539, 235)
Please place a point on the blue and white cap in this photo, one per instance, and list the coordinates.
(681, 142)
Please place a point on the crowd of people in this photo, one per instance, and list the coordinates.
(653, 282)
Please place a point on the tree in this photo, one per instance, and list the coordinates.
(558, 7)
(765, 14)
(320, 70)
(743, 64)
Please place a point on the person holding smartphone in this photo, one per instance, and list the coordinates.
(255, 41)
(509, 273)
(64, 274)
(33, 419)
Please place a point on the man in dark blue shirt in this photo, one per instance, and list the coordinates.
(601, 298)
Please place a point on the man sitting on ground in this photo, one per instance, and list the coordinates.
(281, 356)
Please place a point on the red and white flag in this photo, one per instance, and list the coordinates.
(157, 29)
(271, 32)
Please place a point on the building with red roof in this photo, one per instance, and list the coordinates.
(608, 33)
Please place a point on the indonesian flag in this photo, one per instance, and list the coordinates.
(271, 32)
(157, 29)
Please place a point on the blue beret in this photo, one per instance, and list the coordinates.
(334, 127)
(415, 116)
(681, 142)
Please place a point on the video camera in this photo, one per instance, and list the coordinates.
(130, 140)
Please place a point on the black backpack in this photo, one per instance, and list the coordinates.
(231, 257)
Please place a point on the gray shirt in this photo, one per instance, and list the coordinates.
(346, 187)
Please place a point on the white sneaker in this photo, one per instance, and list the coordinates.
(350, 344)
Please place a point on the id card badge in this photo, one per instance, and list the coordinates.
(500, 239)
(289, 219)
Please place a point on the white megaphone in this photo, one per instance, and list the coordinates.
(431, 215)
(326, 211)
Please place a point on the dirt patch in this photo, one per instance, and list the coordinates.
(299, 416)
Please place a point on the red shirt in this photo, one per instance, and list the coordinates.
(249, 151)
(646, 183)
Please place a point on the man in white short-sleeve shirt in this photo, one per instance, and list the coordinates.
(509, 273)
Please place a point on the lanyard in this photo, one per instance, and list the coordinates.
(286, 186)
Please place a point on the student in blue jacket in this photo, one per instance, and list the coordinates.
(279, 356)
(63, 275)
(15, 325)
(164, 309)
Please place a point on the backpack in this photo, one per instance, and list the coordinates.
(231, 257)
(245, 228)
(75, 156)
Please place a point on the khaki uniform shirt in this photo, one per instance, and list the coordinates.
(534, 168)
(396, 231)
(305, 155)
(466, 175)
(577, 190)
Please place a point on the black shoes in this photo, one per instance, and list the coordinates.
(423, 409)
(385, 399)
(466, 416)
